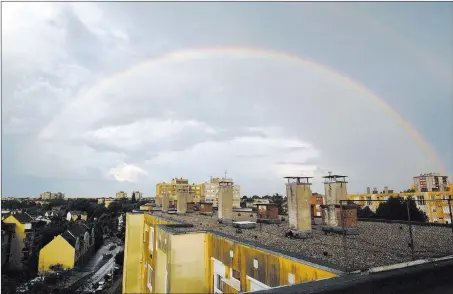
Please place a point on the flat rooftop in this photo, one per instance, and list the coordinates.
(378, 244)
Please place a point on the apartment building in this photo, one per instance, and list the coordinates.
(218, 262)
(7, 239)
(23, 245)
(431, 182)
(138, 195)
(223, 258)
(51, 195)
(180, 184)
(433, 204)
(211, 192)
(121, 195)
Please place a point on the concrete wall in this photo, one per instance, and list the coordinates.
(225, 202)
(182, 202)
(165, 202)
(299, 206)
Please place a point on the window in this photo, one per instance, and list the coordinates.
(421, 200)
(235, 275)
(218, 287)
(291, 279)
(150, 278)
(151, 238)
(256, 285)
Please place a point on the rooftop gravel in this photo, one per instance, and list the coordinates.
(378, 244)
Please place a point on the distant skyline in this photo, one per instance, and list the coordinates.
(99, 97)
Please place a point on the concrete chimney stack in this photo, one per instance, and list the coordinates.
(335, 191)
(165, 202)
(225, 203)
(158, 200)
(337, 215)
(368, 190)
(181, 203)
(299, 197)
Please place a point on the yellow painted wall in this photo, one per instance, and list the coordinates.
(17, 243)
(272, 268)
(48, 254)
(187, 260)
(160, 276)
(187, 271)
(434, 204)
(172, 188)
(133, 263)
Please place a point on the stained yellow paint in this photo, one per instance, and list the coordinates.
(187, 271)
(17, 243)
(182, 263)
(48, 255)
(133, 250)
(273, 268)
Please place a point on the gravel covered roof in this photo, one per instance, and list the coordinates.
(378, 244)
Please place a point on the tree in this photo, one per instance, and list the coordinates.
(395, 208)
(365, 212)
(133, 200)
(57, 268)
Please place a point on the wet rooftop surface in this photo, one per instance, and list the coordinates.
(378, 244)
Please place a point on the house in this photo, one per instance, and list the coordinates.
(76, 215)
(74, 248)
(23, 246)
(7, 237)
(57, 211)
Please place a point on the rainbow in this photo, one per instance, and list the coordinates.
(200, 53)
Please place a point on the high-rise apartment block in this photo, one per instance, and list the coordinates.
(211, 192)
(431, 182)
(51, 195)
(179, 184)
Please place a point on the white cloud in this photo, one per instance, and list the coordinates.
(69, 89)
(126, 173)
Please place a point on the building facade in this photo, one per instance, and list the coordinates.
(433, 204)
(180, 184)
(23, 246)
(7, 239)
(51, 196)
(431, 182)
(74, 215)
(217, 263)
(121, 195)
(211, 192)
(138, 195)
(74, 248)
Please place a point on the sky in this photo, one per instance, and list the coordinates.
(101, 97)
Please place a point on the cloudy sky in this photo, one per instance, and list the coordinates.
(98, 97)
